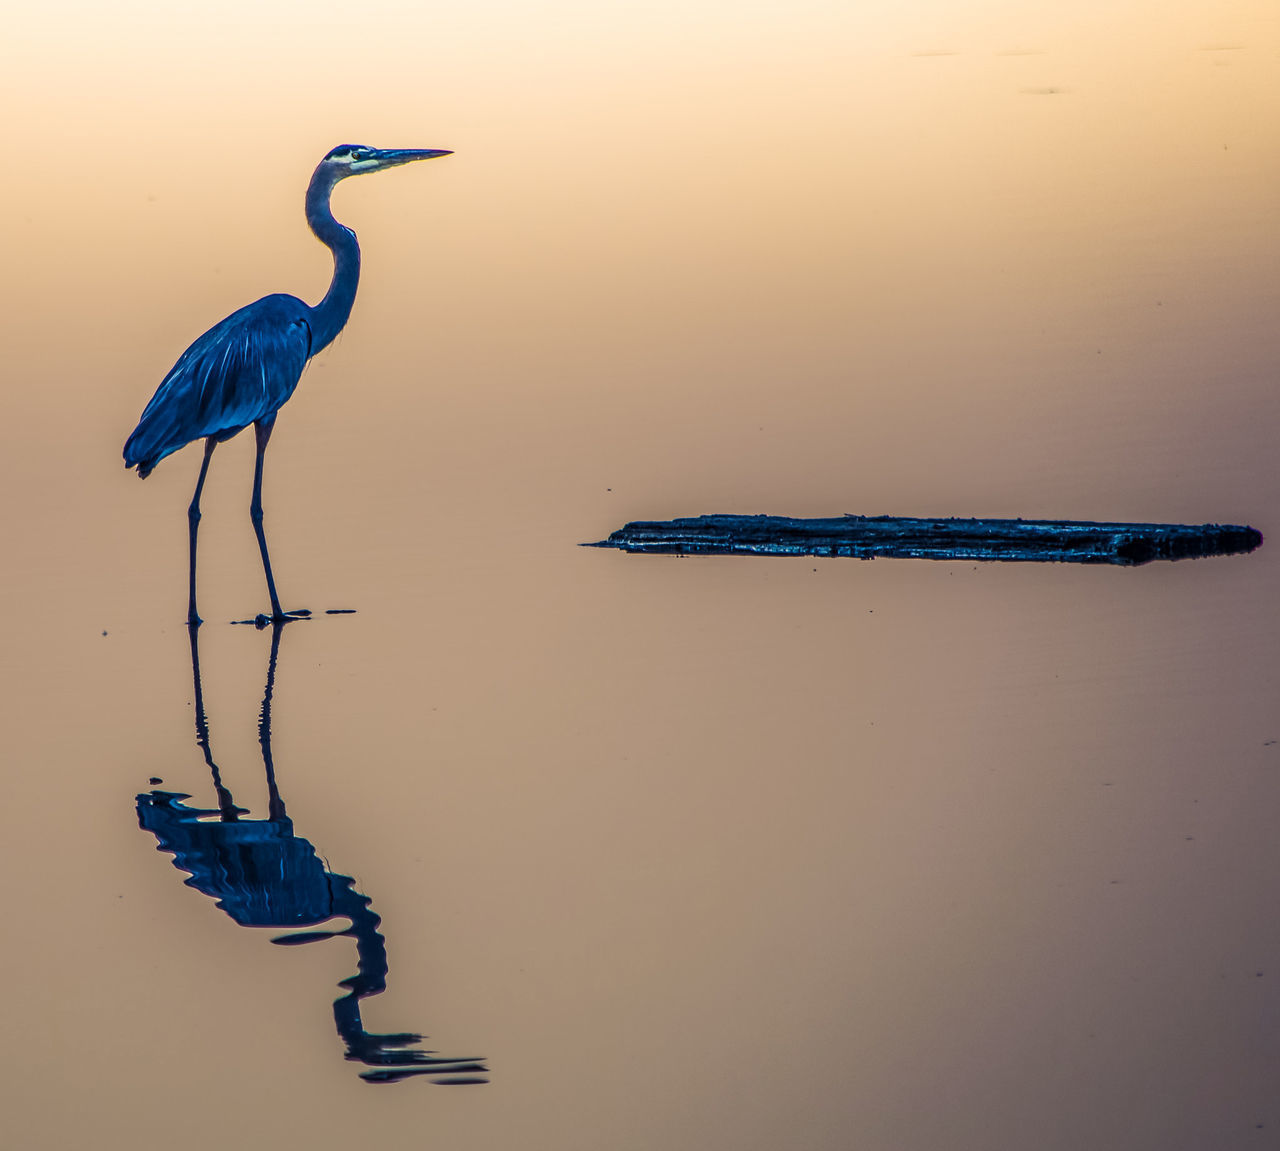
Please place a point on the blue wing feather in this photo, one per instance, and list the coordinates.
(239, 371)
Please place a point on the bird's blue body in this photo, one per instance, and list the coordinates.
(239, 372)
(243, 370)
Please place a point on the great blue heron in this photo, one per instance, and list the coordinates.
(241, 371)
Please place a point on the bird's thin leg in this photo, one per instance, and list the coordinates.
(193, 523)
(262, 433)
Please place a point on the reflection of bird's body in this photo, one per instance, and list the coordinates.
(263, 874)
(242, 370)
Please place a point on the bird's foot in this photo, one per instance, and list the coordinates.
(262, 620)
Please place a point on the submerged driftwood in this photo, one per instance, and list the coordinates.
(866, 537)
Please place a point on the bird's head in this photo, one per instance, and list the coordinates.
(356, 159)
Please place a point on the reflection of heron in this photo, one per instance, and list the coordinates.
(241, 371)
(263, 875)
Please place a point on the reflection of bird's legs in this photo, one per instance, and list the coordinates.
(193, 523)
(226, 805)
(275, 805)
(262, 433)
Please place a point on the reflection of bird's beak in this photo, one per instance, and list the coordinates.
(390, 157)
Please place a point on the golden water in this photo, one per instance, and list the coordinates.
(701, 854)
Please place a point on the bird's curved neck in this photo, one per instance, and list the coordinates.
(330, 314)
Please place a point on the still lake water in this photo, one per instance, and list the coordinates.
(727, 852)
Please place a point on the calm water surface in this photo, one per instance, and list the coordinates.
(688, 854)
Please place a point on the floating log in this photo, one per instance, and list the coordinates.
(866, 537)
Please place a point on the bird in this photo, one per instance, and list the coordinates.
(244, 369)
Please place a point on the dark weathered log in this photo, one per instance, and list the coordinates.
(866, 537)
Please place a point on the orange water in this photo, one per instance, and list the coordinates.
(699, 854)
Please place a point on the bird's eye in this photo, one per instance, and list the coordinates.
(359, 154)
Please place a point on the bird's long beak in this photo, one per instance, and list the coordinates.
(390, 157)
